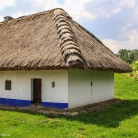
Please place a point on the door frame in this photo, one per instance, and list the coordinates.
(32, 90)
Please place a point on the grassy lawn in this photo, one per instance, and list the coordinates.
(114, 121)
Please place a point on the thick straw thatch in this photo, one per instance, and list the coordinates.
(52, 40)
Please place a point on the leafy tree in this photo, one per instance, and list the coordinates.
(135, 53)
(128, 55)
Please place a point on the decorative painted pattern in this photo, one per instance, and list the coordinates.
(68, 44)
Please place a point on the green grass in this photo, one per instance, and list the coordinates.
(114, 121)
(126, 88)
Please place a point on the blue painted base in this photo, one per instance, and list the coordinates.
(15, 102)
(55, 105)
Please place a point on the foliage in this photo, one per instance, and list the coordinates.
(128, 55)
(135, 65)
(114, 121)
(134, 74)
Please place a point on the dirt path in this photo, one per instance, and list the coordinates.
(67, 112)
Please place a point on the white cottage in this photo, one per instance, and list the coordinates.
(49, 59)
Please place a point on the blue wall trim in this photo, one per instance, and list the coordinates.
(18, 102)
(15, 102)
(55, 105)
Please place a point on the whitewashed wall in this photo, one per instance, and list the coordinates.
(21, 85)
(72, 87)
(82, 93)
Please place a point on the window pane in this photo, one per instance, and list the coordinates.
(8, 85)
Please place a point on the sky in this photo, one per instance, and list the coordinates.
(114, 22)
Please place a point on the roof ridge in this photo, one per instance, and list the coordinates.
(29, 15)
(68, 43)
(24, 17)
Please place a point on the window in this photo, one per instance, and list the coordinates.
(8, 85)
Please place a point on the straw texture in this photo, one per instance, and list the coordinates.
(52, 40)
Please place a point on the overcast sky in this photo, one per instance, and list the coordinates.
(114, 22)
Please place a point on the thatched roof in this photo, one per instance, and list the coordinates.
(52, 40)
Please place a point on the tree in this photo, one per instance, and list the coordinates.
(135, 53)
(128, 55)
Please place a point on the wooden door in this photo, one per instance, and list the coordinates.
(37, 90)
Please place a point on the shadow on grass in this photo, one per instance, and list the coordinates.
(110, 116)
